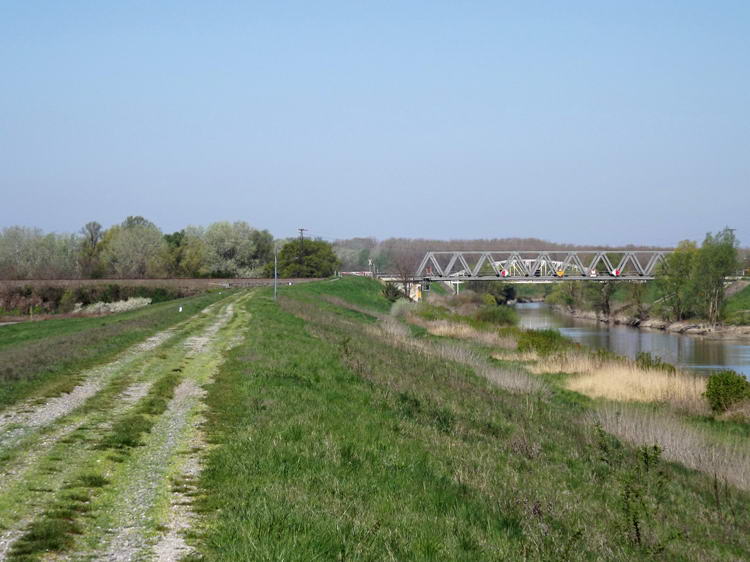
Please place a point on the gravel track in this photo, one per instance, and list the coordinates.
(25, 420)
(45, 445)
(17, 422)
(175, 431)
(138, 497)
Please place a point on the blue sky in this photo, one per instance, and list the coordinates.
(584, 122)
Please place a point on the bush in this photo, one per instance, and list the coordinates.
(489, 300)
(392, 292)
(67, 301)
(542, 342)
(500, 315)
(726, 388)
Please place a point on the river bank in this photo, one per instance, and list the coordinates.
(687, 327)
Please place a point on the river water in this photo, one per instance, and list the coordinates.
(690, 352)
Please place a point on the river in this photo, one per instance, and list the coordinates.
(689, 352)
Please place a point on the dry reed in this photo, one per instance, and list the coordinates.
(627, 382)
(464, 332)
(692, 447)
(396, 333)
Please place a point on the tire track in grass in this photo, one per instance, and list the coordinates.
(21, 420)
(48, 452)
(17, 421)
(44, 444)
(172, 544)
(135, 509)
(36, 477)
(40, 529)
(159, 462)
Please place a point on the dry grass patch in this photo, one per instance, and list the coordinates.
(464, 332)
(519, 357)
(739, 412)
(727, 460)
(627, 382)
(397, 334)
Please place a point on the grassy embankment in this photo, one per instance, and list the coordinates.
(341, 433)
(737, 308)
(42, 358)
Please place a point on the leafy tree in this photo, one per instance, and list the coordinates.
(89, 258)
(236, 249)
(500, 292)
(636, 295)
(311, 258)
(28, 253)
(135, 249)
(716, 260)
(264, 245)
(600, 296)
(675, 282)
(175, 253)
(567, 293)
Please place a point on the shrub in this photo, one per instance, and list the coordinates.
(542, 342)
(67, 301)
(725, 389)
(392, 292)
(489, 299)
(501, 315)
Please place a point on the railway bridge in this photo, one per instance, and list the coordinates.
(540, 266)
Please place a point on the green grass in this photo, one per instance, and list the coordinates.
(439, 289)
(128, 431)
(43, 358)
(332, 443)
(360, 291)
(737, 307)
(56, 528)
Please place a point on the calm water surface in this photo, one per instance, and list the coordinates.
(691, 352)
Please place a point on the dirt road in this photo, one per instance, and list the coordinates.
(104, 472)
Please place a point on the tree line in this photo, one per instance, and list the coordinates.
(691, 281)
(394, 254)
(137, 248)
(689, 284)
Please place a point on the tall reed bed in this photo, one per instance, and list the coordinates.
(626, 381)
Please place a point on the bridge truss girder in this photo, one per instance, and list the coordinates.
(538, 266)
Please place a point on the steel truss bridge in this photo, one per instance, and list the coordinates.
(540, 266)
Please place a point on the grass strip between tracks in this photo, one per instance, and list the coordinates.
(55, 529)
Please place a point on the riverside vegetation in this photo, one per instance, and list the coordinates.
(691, 287)
(332, 424)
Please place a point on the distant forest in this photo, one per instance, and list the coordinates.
(137, 248)
(397, 254)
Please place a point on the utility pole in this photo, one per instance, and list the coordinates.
(275, 270)
(301, 246)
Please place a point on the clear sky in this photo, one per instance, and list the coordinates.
(585, 122)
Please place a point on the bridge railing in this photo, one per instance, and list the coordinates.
(551, 265)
